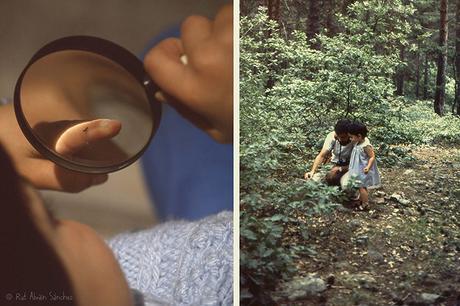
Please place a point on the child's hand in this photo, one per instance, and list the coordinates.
(43, 173)
(202, 89)
(366, 170)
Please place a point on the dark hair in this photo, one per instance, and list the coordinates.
(30, 267)
(342, 126)
(356, 128)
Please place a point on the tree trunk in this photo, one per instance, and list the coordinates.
(417, 75)
(313, 21)
(249, 6)
(425, 78)
(344, 6)
(400, 74)
(274, 9)
(442, 60)
(329, 10)
(457, 57)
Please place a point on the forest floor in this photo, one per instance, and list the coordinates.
(404, 251)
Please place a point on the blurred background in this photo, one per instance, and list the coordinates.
(25, 26)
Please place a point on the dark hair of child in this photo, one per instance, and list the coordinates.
(357, 128)
(29, 265)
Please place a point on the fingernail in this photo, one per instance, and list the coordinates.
(97, 180)
(184, 59)
(105, 122)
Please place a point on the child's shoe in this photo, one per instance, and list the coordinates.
(363, 206)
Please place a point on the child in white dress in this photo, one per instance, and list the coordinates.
(363, 166)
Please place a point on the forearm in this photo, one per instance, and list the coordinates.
(371, 162)
(316, 163)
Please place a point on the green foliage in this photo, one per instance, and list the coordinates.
(382, 24)
(291, 95)
(265, 258)
(418, 124)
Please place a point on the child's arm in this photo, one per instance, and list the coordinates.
(202, 89)
(370, 152)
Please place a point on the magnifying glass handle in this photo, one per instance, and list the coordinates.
(158, 93)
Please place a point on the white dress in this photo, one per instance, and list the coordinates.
(358, 161)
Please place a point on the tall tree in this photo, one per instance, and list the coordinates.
(442, 60)
(250, 7)
(329, 9)
(425, 77)
(344, 6)
(417, 75)
(457, 57)
(400, 73)
(274, 9)
(313, 21)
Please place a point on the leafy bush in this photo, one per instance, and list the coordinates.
(264, 258)
(290, 97)
(423, 126)
(412, 123)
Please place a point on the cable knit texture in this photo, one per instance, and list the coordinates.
(179, 262)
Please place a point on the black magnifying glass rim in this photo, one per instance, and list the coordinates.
(108, 50)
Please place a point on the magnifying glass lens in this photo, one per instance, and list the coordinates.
(85, 111)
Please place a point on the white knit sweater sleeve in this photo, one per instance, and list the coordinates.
(179, 262)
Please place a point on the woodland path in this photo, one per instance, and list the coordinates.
(404, 251)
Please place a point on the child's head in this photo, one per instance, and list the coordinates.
(357, 131)
(59, 261)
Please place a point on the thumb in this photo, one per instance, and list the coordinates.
(77, 137)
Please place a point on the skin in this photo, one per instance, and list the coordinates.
(41, 172)
(45, 87)
(87, 259)
(201, 90)
(323, 156)
(358, 139)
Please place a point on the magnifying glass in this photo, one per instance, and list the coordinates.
(87, 104)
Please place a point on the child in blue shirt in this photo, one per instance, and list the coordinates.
(176, 263)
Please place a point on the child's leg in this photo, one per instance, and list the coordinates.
(364, 196)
